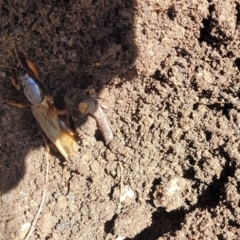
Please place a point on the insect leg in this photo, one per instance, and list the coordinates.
(16, 104)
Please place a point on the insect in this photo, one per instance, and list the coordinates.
(54, 123)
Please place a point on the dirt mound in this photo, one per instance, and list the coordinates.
(167, 77)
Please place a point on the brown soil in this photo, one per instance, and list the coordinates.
(167, 75)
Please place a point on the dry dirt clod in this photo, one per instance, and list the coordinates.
(172, 195)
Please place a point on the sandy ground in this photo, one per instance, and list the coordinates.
(167, 77)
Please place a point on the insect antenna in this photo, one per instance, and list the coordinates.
(5, 66)
(9, 52)
(17, 56)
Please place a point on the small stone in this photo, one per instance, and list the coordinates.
(127, 192)
(61, 226)
(120, 238)
(24, 229)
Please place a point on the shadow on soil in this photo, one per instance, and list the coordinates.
(76, 45)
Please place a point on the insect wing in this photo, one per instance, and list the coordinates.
(68, 143)
(50, 125)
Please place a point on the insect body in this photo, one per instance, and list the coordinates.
(27, 78)
(53, 122)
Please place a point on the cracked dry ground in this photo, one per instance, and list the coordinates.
(167, 75)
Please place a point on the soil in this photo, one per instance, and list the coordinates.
(167, 77)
